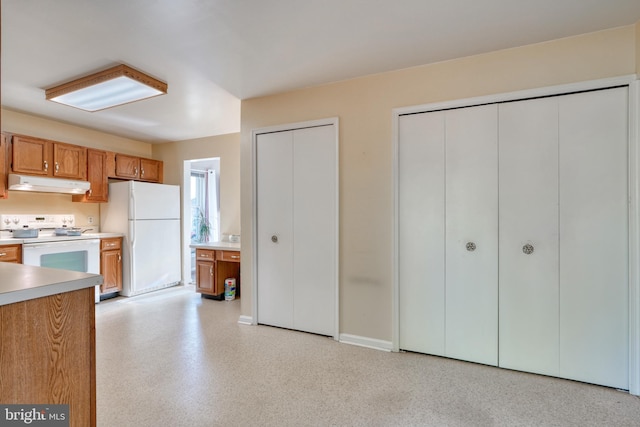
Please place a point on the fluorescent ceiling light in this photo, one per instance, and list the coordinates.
(115, 86)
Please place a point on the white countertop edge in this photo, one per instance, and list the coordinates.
(22, 283)
(224, 246)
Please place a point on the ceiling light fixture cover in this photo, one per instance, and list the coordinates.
(108, 88)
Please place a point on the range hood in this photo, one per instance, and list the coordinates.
(47, 185)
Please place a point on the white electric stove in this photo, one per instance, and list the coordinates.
(77, 253)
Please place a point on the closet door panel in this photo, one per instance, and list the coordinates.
(593, 237)
(472, 219)
(275, 219)
(528, 283)
(314, 225)
(421, 232)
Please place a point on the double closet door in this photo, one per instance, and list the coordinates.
(297, 229)
(513, 233)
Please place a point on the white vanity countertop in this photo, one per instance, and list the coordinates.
(224, 246)
(20, 282)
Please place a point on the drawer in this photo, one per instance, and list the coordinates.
(205, 254)
(108, 244)
(233, 256)
(10, 254)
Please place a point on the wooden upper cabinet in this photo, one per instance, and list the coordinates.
(35, 156)
(127, 166)
(97, 177)
(69, 161)
(3, 166)
(122, 166)
(31, 156)
(150, 170)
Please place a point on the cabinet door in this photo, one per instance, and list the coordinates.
(127, 166)
(150, 170)
(594, 278)
(111, 270)
(3, 166)
(97, 177)
(69, 161)
(205, 277)
(471, 185)
(421, 232)
(275, 228)
(31, 156)
(528, 158)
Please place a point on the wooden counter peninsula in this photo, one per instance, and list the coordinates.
(47, 339)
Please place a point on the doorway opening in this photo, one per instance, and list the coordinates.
(202, 208)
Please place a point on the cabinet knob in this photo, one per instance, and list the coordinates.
(57, 167)
(211, 271)
(135, 170)
(471, 246)
(46, 166)
(527, 249)
(274, 238)
(3, 253)
(141, 171)
(119, 257)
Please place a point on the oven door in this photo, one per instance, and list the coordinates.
(76, 255)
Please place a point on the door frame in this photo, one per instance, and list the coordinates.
(254, 214)
(633, 191)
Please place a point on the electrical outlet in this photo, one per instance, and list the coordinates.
(90, 220)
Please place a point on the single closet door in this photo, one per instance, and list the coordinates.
(528, 222)
(297, 229)
(471, 229)
(421, 232)
(594, 323)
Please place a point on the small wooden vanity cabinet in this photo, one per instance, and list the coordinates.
(111, 265)
(213, 266)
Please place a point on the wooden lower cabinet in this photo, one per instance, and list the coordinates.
(48, 354)
(111, 265)
(11, 253)
(213, 267)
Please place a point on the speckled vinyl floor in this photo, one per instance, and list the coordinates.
(172, 359)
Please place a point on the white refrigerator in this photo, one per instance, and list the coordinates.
(149, 217)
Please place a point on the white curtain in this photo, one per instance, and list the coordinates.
(213, 205)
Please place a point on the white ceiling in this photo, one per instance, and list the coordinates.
(213, 53)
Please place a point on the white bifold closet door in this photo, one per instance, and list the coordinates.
(448, 246)
(296, 229)
(529, 270)
(471, 234)
(594, 301)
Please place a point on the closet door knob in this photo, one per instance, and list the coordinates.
(527, 249)
(274, 238)
(471, 246)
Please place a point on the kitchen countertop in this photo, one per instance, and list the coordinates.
(224, 246)
(20, 282)
(11, 240)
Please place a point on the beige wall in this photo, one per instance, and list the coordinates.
(227, 147)
(364, 106)
(22, 202)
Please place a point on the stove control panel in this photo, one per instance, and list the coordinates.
(11, 222)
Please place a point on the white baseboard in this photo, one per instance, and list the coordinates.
(366, 342)
(245, 320)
